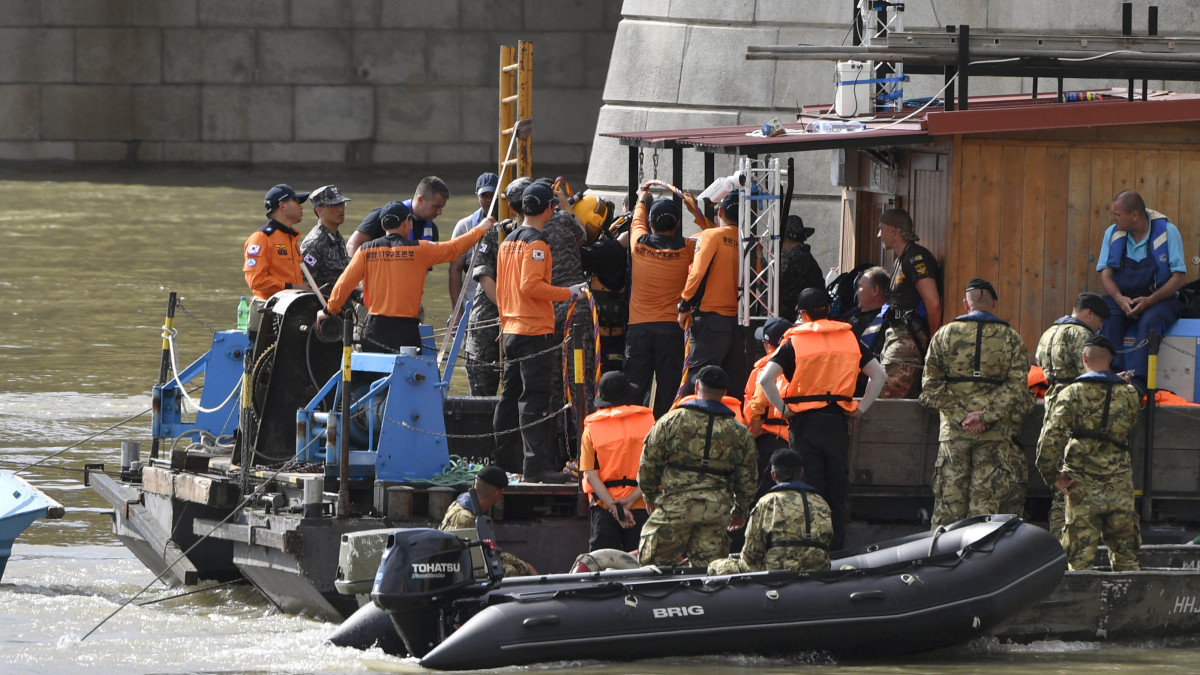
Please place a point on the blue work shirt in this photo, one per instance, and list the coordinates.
(1138, 250)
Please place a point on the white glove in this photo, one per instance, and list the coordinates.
(578, 290)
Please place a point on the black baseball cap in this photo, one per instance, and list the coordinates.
(772, 331)
(730, 206)
(812, 298)
(494, 476)
(279, 193)
(664, 213)
(537, 198)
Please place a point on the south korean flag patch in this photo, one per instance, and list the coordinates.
(253, 249)
(539, 256)
(311, 260)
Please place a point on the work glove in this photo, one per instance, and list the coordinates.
(578, 290)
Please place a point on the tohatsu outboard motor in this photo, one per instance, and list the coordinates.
(422, 571)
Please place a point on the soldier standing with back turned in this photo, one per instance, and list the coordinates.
(975, 377)
(1060, 355)
(698, 474)
(1089, 427)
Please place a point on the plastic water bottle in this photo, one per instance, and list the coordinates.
(243, 314)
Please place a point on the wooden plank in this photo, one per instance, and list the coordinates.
(1167, 175)
(1027, 318)
(1146, 176)
(1188, 217)
(965, 248)
(1056, 300)
(1124, 171)
(1079, 218)
(1103, 169)
(991, 207)
(1008, 279)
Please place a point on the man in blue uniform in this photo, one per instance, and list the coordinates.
(1141, 267)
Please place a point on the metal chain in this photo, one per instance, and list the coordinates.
(193, 317)
(641, 166)
(654, 159)
(490, 434)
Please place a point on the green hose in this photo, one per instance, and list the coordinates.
(458, 472)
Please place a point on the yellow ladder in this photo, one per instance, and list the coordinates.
(516, 107)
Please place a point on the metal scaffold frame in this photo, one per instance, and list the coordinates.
(758, 233)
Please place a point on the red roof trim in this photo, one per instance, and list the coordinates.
(1062, 116)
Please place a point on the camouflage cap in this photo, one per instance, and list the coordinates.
(327, 195)
(513, 191)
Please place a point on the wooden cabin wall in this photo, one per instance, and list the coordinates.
(1028, 214)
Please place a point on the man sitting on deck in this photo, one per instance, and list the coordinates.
(1141, 267)
(790, 527)
(490, 484)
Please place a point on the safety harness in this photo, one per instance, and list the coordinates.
(701, 405)
(980, 318)
(1108, 380)
(1048, 368)
(807, 541)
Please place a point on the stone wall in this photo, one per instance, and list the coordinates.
(362, 82)
(681, 64)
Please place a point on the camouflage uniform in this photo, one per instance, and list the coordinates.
(790, 528)
(1060, 354)
(798, 270)
(459, 517)
(325, 254)
(481, 347)
(1089, 428)
(564, 238)
(974, 473)
(901, 358)
(902, 355)
(699, 464)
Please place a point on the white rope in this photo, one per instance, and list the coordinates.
(169, 334)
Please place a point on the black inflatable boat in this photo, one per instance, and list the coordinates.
(908, 595)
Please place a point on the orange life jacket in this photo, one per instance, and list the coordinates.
(757, 406)
(1164, 397)
(729, 401)
(617, 434)
(827, 358)
(1037, 381)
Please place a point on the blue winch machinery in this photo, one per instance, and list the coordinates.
(396, 425)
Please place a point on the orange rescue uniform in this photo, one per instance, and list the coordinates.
(659, 274)
(756, 405)
(272, 259)
(729, 402)
(828, 361)
(611, 444)
(714, 272)
(524, 294)
(392, 271)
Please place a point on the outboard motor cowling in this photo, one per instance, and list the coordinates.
(418, 575)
